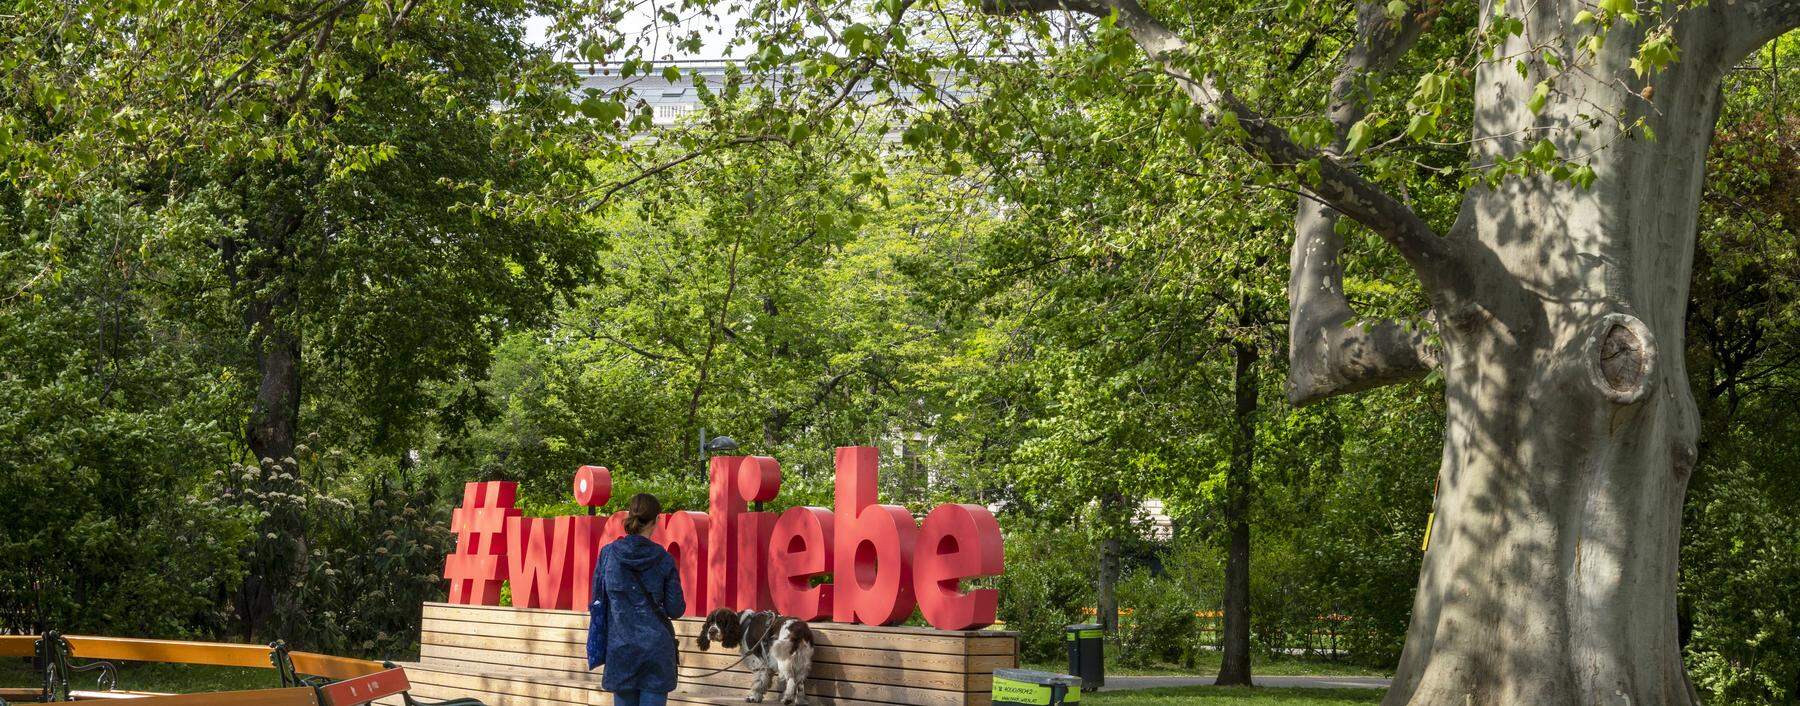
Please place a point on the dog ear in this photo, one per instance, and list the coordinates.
(705, 642)
(731, 630)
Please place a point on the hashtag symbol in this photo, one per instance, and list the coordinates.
(478, 566)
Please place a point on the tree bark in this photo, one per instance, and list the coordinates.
(1330, 350)
(261, 266)
(275, 418)
(1234, 664)
(1107, 603)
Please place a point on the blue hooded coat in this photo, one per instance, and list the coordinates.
(625, 632)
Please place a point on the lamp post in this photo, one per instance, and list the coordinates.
(716, 445)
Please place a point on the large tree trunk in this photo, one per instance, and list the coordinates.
(1234, 664)
(1570, 426)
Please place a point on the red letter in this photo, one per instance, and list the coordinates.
(723, 506)
(476, 568)
(958, 542)
(586, 553)
(753, 534)
(593, 486)
(614, 529)
(873, 570)
(758, 481)
(799, 549)
(684, 535)
(537, 556)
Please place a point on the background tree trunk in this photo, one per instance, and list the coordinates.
(1234, 664)
(274, 420)
(262, 268)
(1107, 609)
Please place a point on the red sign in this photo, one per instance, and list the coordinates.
(860, 561)
(363, 689)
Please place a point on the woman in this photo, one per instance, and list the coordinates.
(636, 592)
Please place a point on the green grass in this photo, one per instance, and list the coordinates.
(1209, 695)
(140, 676)
(1260, 665)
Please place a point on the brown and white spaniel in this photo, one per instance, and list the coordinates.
(774, 647)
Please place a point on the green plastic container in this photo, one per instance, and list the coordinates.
(1024, 687)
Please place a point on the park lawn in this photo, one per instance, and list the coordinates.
(1221, 695)
(145, 676)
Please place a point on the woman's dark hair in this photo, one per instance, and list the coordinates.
(641, 512)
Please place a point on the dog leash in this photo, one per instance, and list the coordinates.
(738, 661)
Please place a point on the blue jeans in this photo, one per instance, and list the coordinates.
(639, 698)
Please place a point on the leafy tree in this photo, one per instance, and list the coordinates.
(1555, 322)
(758, 293)
(108, 400)
(346, 186)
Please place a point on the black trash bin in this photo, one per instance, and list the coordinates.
(1023, 687)
(1087, 654)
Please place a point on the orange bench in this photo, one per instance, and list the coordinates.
(306, 678)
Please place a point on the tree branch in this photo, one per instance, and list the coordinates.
(1331, 351)
(1754, 23)
(324, 11)
(656, 169)
(1431, 257)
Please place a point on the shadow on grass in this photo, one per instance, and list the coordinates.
(1210, 695)
(1260, 665)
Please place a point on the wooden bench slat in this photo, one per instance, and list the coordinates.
(18, 645)
(596, 697)
(578, 619)
(719, 658)
(330, 667)
(734, 684)
(109, 695)
(824, 635)
(300, 696)
(140, 650)
(838, 655)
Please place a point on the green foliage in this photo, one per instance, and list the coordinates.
(1160, 628)
(106, 403)
(353, 562)
(1047, 582)
(1740, 562)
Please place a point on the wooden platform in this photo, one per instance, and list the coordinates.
(517, 657)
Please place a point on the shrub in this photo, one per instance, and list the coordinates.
(1160, 626)
(1043, 590)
